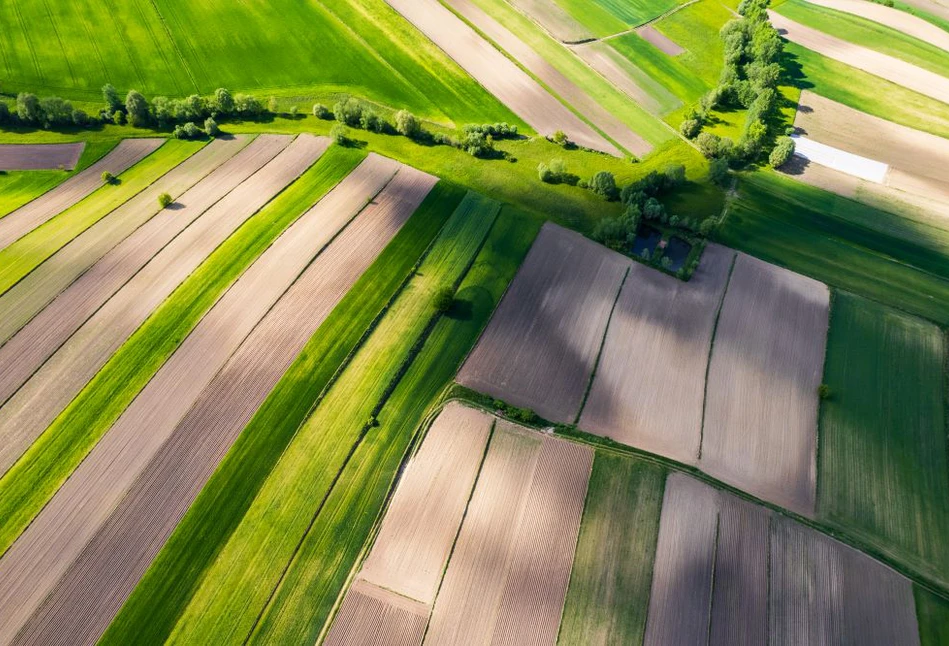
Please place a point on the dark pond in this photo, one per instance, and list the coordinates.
(678, 252)
(646, 238)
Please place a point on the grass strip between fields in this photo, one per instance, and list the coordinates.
(21, 257)
(255, 558)
(26, 487)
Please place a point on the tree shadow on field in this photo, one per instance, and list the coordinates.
(461, 310)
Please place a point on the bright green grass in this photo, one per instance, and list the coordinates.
(932, 613)
(595, 16)
(287, 47)
(21, 257)
(26, 487)
(154, 607)
(869, 34)
(866, 92)
(610, 98)
(631, 12)
(306, 595)
(940, 22)
(883, 465)
(251, 564)
(820, 234)
(671, 72)
(612, 570)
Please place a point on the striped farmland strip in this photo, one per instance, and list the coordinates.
(40, 556)
(373, 616)
(40, 156)
(98, 582)
(29, 216)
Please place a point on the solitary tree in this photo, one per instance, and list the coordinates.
(211, 127)
(320, 111)
(107, 177)
(339, 134)
(164, 200)
(443, 300)
(137, 108)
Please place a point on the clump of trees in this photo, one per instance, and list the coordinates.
(781, 152)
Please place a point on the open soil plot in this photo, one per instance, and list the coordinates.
(40, 556)
(659, 40)
(620, 71)
(505, 80)
(760, 430)
(864, 168)
(886, 67)
(421, 524)
(540, 347)
(539, 67)
(40, 156)
(31, 294)
(95, 586)
(33, 214)
(52, 387)
(508, 576)
(900, 20)
(935, 7)
(824, 592)
(649, 387)
(373, 616)
(921, 159)
(555, 19)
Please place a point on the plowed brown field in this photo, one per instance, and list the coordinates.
(612, 66)
(40, 156)
(899, 20)
(552, 17)
(371, 616)
(659, 40)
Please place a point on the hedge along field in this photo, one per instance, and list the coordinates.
(25, 254)
(154, 607)
(26, 487)
(883, 464)
(867, 33)
(176, 48)
(819, 234)
(304, 601)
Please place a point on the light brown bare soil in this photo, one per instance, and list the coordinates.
(685, 563)
(54, 539)
(552, 17)
(371, 616)
(760, 431)
(50, 204)
(94, 587)
(823, 592)
(29, 296)
(540, 347)
(649, 387)
(539, 67)
(887, 67)
(40, 156)
(900, 20)
(934, 7)
(502, 78)
(421, 524)
(659, 40)
(38, 401)
(613, 67)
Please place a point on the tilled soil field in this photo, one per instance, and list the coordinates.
(900, 20)
(373, 616)
(555, 20)
(613, 67)
(659, 40)
(40, 156)
(539, 349)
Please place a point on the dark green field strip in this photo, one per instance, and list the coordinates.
(932, 613)
(609, 589)
(883, 471)
(26, 487)
(794, 225)
(303, 602)
(21, 257)
(153, 609)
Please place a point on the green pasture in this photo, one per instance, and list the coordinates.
(37, 475)
(596, 15)
(932, 613)
(883, 468)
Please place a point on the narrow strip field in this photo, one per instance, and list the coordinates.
(890, 17)
(35, 291)
(126, 543)
(649, 386)
(621, 72)
(659, 40)
(555, 20)
(524, 96)
(541, 345)
(760, 429)
(50, 389)
(884, 469)
(40, 156)
(31, 215)
(373, 616)
(892, 69)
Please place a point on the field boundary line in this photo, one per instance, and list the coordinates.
(821, 403)
(711, 590)
(632, 30)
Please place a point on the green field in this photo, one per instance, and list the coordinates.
(932, 613)
(21, 257)
(837, 241)
(36, 476)
(612, 570)
(883, 472)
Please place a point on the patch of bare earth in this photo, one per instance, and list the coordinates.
(613, 66)
(760, 431)
(17, 224)
(96, 584)
(56, 537)
(900, 20)
(71, 365)
(936, 8)
(552, 17)
(659, 40)
(501, 77)
(649, 387)
(540, 347)
(40, 156)
(886, 67)
(372, 616)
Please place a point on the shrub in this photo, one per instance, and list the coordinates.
(248, 106)
(320, 111)
(544, 173)
(718, 171)
(604, 185)
(107, 177)
(560, 138)
(272, 105)
(495, 130)
(211, 127)
(348, 111)
(407, 124)
(293, 111)
(690, 128)
(188, 131)
(709, 225)
(164, 200)
(118, 118)
(369, 120)
(782, 152)
(478, 144)
(111, 96)
(709, 145)
(222, 103)
(79, 117)
(137, 108)
(443, 300)
(28, 108)
(339, 134)
(824, 391)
